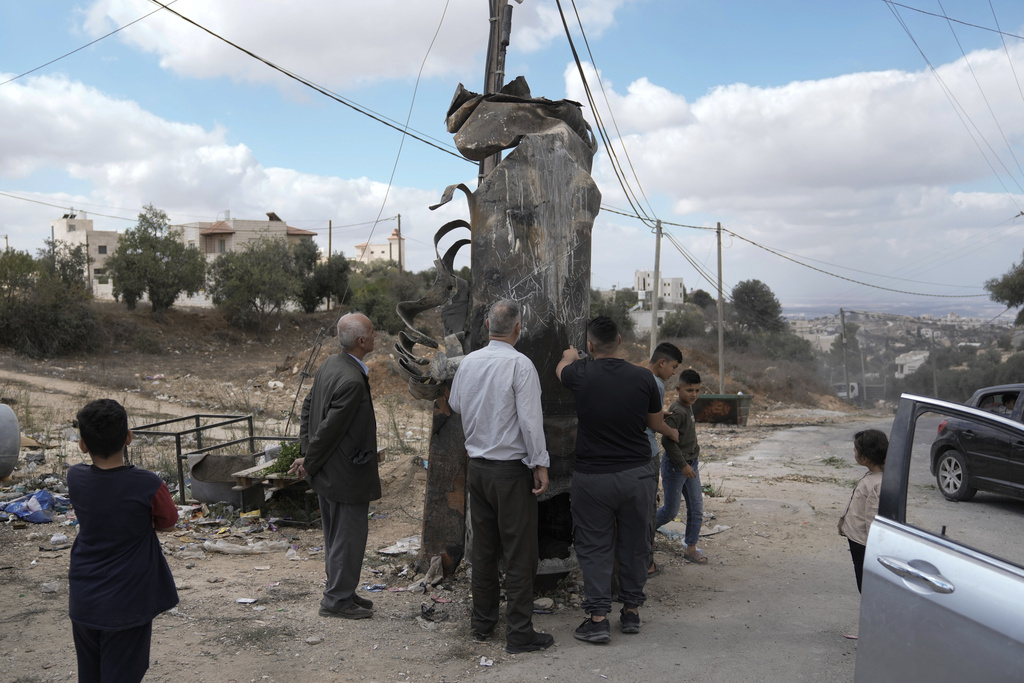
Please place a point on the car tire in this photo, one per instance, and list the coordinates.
(951, 475)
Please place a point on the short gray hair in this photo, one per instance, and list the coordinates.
(503, 317)
(351, 327)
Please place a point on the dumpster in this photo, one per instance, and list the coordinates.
(731, 409)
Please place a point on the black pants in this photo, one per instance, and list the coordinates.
(611, 516)
(503, 516)
(345, 531)
(112, 656)
(857, 551)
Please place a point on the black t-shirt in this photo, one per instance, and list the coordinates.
(613, 399)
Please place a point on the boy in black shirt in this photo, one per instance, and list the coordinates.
(119, 579)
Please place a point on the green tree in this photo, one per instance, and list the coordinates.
(328, 279)
(1009, 289)
(616, 307)
(151, 260)
(17, 272)
(253, 284)
(700, 299)
(756, 308)
(679, 324)
(69, 264)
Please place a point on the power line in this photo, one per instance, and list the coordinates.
(68, 54)
(320, 89)
(958, 21)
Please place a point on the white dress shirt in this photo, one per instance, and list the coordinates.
(497, 391)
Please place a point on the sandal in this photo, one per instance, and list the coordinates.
(696, 557)
(653, 570)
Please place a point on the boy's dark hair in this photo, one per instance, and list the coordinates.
(668, 351)
(103, 426)
(872, 444)
(688, 376)
(603, 333)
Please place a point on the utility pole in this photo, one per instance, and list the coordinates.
(846, 373)
(330, 235)
(721, 319)
(494, 68)
(399, 231)
(7, 247)
(655, 286)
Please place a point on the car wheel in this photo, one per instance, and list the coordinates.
(951, 474)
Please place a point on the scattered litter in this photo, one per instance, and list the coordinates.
(37, 507)
(486, 662)
(315, 549)
(374, 588)
(258, 608)
(246, 515)
(403, 545)
(275, 584)
(432, 613)
(246, 601)
(543, 606)
(435, 573)
(314, 640)
(379, 515)
(252, 549)
(440, 600)
(426, 624)
(262, 567)
(716, 529)
(215, 579)
(49, 587)
(58, 539)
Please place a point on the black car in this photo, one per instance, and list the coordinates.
(968, 456)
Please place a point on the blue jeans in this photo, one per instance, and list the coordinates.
(677, 486)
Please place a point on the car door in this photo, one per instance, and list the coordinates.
(986, 448)
(1015, 453)
(943, 593)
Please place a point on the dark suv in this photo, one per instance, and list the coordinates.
(968, 456)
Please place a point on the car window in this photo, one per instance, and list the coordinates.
(981, 464)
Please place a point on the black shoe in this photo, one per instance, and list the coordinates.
(541, 641)
(353, 611)
(629, 621)
(481, 636)
(362, 602)
(593, 631)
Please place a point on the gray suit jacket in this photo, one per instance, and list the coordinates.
(338, 433)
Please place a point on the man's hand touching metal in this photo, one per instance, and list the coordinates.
(297, 467)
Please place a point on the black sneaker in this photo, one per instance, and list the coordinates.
(481, 636)
(593, 631)
(629, 621)
(541, 641)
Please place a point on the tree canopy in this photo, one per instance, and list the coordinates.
(255, 283)
(756, 308)
(1009, 289)
(151, 260)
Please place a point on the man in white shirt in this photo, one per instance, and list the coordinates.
(496, 390)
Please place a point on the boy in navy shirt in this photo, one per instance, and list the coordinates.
(119, 579)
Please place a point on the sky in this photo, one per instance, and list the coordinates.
(866, 156)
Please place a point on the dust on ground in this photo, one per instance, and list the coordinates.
(414, 635)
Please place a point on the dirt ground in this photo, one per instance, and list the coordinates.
(254, 617)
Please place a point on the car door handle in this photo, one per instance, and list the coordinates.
(901, 568)
(968, 433)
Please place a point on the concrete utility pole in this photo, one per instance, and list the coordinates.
(655, 286)
(330, 234)
(399, 231)
(721, 319)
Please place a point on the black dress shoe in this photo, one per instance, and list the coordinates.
(541, 641)
(351, 612)
(362, 602)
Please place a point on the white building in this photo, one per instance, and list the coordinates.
(391, 250)
(908, 363)
(75, 229)
(232, 234)
(671, 291)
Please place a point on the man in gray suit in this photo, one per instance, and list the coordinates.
(338, 436)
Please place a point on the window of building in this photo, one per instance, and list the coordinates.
(71, 227)
(222, 246)
(101, 276)
(102, 249)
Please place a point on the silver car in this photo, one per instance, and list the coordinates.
(943, 588)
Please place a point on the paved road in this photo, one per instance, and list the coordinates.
(773, 604)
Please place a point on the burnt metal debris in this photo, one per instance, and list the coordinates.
(529, 234)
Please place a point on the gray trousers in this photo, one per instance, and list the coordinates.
(503, 514)
(611, 516)
(345, 530)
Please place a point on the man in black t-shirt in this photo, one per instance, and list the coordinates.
(613, 484)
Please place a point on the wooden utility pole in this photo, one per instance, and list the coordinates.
(494, 68)
(330, 233)
(721, 319)
(655, 286)
(846, 372)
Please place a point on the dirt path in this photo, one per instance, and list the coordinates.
(778, 576)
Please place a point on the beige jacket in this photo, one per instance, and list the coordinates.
(862, 508)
